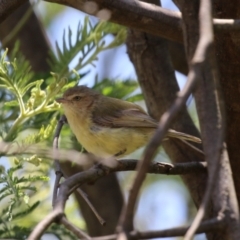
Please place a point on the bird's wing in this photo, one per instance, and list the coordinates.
(118, 113)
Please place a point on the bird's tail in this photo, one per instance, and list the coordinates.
(183, 136)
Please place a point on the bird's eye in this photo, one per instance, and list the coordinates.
(77, 98)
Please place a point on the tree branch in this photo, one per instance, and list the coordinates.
(144, 16)
(98, 171)
(126, 221)
(206, 226)
(134, 14)
(44, 224)
(58, 171)
(90, 205)
(203, 51)
(120, 165)
(9, 6)
(159, 85)
(78, 232)
(210, 107)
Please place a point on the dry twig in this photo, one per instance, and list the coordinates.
(58, 171)
(203, 51)
(96, 172)
(60, 174)
(126, 221)
(206, 226)
(78, 232)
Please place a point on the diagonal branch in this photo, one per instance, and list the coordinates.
(126, 220)
(133, 14)
(210, 106)
(57, 167)
(206, 226)
(78, 232)
(144, 16)
(203, 51)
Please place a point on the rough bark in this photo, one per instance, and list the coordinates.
(210, 107)
(134, 14)
(227, 54)
(178, 57)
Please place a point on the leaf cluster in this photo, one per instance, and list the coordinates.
(15, 199)
(23, 97)
(89, 42)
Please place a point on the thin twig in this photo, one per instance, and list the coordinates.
(59, 175)
(98, 171)
(44, 224)
(221, 25)
(131, 165)
(206, 226)
(90, 205)
(202, 53)
(126, 220)
(162, 168)
(58, 172)
(84, 196)
(154, 167)
(78, 232)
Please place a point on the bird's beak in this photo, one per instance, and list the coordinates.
(61, 100)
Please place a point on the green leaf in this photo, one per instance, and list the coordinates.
(26, 199)
(12, 103)
(116, 88)
(32, 84)
(90, 41)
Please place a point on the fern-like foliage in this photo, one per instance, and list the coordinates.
(15, 199)
(119, 89)
(89, 42)
(16, 79)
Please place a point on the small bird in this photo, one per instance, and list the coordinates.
(108, 127)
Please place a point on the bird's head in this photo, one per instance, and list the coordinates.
(78, 99)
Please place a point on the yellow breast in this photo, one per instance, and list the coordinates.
(107, 142)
